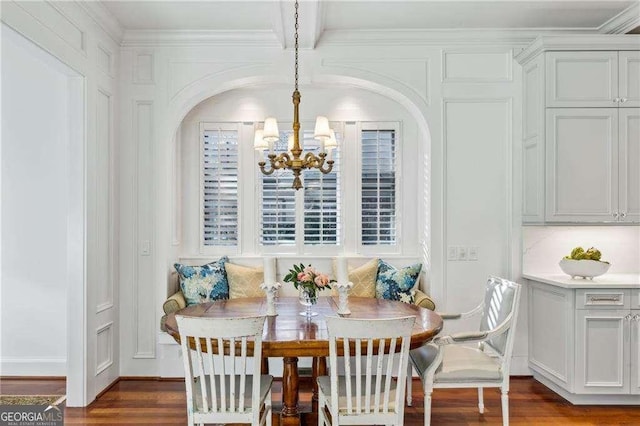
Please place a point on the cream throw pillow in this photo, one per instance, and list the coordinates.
(244, 281)
(363, 278)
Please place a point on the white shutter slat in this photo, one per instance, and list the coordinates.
(220, 187)
(378, 187)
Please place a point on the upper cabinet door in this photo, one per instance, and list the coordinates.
(629, 65)
(629, 145)
(582, 79)
(582, 165)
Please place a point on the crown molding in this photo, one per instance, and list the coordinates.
(577, 43)
(186, 38)
(104, 18)
(623, 22)
(393, 37)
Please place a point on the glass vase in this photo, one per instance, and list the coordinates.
(308, 298)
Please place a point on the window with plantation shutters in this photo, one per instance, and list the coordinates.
(322, 201)
(310, 216)
(378, 204)
(220, 185)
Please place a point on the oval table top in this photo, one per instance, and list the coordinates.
(289, 334)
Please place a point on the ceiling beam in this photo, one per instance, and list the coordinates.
(318, 10)
(278, 23)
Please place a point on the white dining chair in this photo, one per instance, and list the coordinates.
(367, 392)
(447, 363)
(224, 389)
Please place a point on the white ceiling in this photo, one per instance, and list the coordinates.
(317, 17)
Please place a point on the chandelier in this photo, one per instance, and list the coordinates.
(293, 159)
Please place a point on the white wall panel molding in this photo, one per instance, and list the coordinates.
(104, 60)
(144, 289)
(143, 68)
(104, 285)
(577, 43)
(492, 144)
(445, 37)
(192, 38)
(176, 190)
(477, 66)
(182, 74)
(103, 18)
(408, 72)
(72, 40)
(623, 22)
(104, 351)
(49, 15)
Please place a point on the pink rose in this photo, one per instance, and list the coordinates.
(302, 277)
(321, 280)
(310, 271)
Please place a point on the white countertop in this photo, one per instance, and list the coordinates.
(606, 280)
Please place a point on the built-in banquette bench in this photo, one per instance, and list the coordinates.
(367, 274)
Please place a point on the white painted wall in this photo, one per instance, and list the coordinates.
(464, 103)
(85, 40)
(34, 214)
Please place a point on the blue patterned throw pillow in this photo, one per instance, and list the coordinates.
(397, 284)
(204, 283)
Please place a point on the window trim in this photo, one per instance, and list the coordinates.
(218, 249)
(376, 249)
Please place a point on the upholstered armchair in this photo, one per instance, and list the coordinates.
(451, 362)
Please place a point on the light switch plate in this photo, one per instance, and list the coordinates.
(473, 253)
(452, 253)
(462, 253)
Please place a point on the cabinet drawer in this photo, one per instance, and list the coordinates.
(602, 299)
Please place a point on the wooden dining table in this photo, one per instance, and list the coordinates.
(289, 336)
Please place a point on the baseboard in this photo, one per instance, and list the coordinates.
(585, 399)
(33, 367)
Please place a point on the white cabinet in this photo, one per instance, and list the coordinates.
(603, 331)
(629, 164)
(629, 79)
(593, 165)
(581, 130)
(584, 343)
(593, 79)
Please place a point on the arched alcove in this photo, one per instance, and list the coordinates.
(329, 95)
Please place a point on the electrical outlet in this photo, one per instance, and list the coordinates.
(462, 253)
(452, 253)
(473, 253)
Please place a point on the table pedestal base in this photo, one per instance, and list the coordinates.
(290, 415)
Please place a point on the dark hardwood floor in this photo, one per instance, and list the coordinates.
(156, 402)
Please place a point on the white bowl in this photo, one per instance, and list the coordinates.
(583, 268)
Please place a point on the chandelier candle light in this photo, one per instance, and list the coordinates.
(294, 160)
(270, 286)
(343, 286)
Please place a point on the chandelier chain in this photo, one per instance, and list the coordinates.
(296, 47)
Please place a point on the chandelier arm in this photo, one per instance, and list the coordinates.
(283, 161)
(328, 169)
(264, 170)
